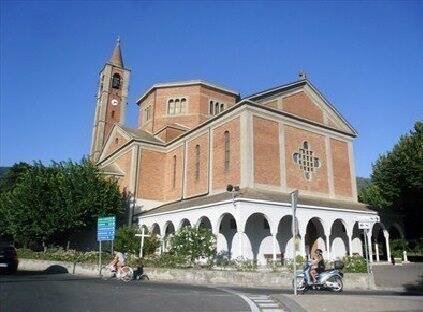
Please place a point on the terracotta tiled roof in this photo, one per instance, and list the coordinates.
(139, 134)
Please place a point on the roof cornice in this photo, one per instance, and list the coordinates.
(185, 83)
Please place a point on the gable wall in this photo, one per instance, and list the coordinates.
(341, 168)
(124, 163)
(295, 179)
(266, 151)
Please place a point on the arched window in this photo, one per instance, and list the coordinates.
(183, 106)
(197, 162)
(177, 106)
(113, 114)
(174, 172)
(171, 107)
(227, 150)
(116, 81)
(216, 108)
(211, 108)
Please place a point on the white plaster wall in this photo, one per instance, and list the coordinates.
(274, 212)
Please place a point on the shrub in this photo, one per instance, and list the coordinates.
(299, 261)
(127, 242)
(193, 243)
(166, 260)
(355, 264)
(223, 259)
(398, 246)
(64, 255)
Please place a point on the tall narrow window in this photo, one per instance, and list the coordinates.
(211, 108)
(174, 172)
(116, 81)
(113, 114)
(183, 106)
(197, 162)
(216, 108)
(177, 106)
(227, 149)
(171, 107)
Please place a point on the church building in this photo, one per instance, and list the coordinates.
(195, 138)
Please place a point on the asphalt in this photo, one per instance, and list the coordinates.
(40, 291)
(34, 292)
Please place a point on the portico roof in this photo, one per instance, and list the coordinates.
(248, 193)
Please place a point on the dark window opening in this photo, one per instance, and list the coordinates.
(116, 81)
(227, 150)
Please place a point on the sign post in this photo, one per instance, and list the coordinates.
(106, 227)
(142, 235)
(294, 200)
(366, 225)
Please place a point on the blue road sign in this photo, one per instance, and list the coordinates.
(106, 228)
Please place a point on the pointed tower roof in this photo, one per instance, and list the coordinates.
(116, 58)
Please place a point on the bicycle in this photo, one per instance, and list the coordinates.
(125, 273)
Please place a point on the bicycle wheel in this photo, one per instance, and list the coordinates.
(106, 273)
(126, 274)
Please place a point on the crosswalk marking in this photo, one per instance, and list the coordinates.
(265, 304)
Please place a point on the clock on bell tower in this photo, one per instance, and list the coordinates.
(111, 100)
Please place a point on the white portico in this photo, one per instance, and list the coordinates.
(256, 225)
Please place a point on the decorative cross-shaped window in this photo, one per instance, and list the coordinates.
(305, 159)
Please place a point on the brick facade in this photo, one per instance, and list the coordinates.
(173, 168)
(266, 152)
(295, 178)
(341, 168)
(222, 176)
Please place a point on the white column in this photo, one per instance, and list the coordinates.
(349, 245)
(377, 251)
(275, 242)
(302, 246)
(369, 245)
(240, 249)
(388, 249)
(327, 247)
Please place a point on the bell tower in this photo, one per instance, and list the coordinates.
(111, 100)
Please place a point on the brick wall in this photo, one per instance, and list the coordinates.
(117, 141)
(197, 186)
(294, 138)
(300, 105)
(341, 168)
(173, 179)
(266, 151)
(151, 175)
(124, 163)
(222, 177)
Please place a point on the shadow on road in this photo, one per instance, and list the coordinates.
(52, 273)
(414, 288)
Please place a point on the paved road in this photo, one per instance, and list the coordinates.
(62, 292)
(38, 291)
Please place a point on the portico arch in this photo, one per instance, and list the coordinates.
(204, 222)
(338, 239)
(155, 229)
(169, 231)
(184, 223)
(284, 237)
(379, 250)
(227, 226)
(315, 237)
(258, 238)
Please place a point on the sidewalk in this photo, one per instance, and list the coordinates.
(320, 302)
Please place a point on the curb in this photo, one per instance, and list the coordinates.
(288, 304)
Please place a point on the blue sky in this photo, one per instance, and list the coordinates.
(366, 58)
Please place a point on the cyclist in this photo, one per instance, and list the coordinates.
(118, 262)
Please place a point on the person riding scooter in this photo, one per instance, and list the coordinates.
(317, 264)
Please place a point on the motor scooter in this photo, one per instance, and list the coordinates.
(329, 279)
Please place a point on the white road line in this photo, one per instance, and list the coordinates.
(272, 310)
(250, 302)
(262, 300)
(269, 305)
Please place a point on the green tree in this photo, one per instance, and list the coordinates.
(11, 176)
(50, 203)
(397, 181)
